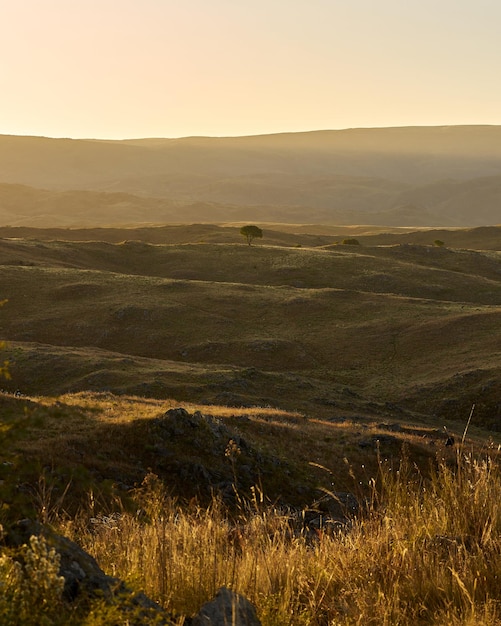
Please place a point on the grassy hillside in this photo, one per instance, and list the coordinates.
(381, 321)
(315, 425)
(344, 309)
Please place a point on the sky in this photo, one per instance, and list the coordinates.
(116, 69)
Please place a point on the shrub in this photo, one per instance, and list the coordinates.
(30, 586)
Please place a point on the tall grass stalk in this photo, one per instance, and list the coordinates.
(426, 552)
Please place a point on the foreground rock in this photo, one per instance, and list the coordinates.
(227, 607)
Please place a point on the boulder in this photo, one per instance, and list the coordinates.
(227, 608)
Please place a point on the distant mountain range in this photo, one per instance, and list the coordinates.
(415, 176)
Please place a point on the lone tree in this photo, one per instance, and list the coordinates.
(251, 232)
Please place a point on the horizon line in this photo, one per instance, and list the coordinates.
(246, 136)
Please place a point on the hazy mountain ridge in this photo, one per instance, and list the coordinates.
(436, 176)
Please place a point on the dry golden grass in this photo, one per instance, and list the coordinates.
(424, 548)
(425, 552)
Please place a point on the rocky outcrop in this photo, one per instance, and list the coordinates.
(210, 454)
(83, 578)
(82, 574)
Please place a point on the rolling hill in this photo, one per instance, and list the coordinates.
(207, 321)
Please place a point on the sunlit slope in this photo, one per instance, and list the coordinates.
(416, 271)
(280, 234)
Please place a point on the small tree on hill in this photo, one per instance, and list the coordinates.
(251, 232)
(438, 243)
(351, 242)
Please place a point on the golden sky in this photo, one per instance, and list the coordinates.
(170, 68)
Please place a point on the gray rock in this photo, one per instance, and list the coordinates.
(176, 413)
(227, 609)
(84, 578)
